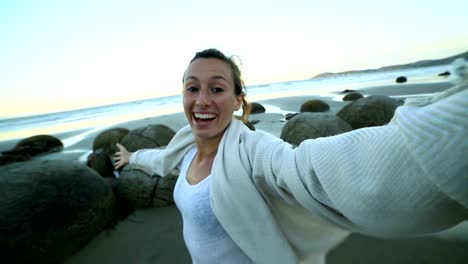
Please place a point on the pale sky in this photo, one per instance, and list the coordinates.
(60, 55)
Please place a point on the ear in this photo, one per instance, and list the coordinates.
(239, 100)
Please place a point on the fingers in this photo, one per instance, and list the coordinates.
(119, 162)
(120, 148)
(117, 165)
(120, 157)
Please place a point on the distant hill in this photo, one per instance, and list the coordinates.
(417, 64)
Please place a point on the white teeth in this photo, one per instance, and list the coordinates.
(204, 116)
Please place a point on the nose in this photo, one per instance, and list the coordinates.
(203, 98)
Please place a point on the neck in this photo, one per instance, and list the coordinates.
(207, 148)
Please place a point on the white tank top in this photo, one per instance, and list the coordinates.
(206, 239)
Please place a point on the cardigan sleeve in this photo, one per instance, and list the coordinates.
(146, 159)
(409, 177)
(162, 161)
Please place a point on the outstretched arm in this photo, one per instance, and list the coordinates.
(158, 161)
(408, 177)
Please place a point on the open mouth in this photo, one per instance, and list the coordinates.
(204, 117)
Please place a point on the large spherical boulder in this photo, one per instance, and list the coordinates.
(106, 140)
(348, 91)
(35, 145)
(401, 79)
(353, 96)
(139, 189)
(312, 125)
(314, 105)
(369, 111)
(104, 148)
(102, 163)
(6, 159)
(50, 209)
(257, 108)
(150, 136)
(444, 74)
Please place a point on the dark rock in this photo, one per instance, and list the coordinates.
(151, 136)
(36, 145)
(446, 73)
(107, 140)
(50, 209)
(312, 125)
(290, 115)
(141, 190)
(352, 96)
(314, 105)
(401, 79)
(369, 111)
(257, 108)
(348, 91)
(102, 163)
(6, 159)
(104, 148)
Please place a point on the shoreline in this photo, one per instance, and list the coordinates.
(78, 141)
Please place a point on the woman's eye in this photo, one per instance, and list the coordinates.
(217, 90)
(192, 89)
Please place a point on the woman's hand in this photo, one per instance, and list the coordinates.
(121, 157)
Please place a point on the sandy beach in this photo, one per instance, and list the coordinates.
(155, 235)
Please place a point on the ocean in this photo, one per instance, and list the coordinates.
(98, 118)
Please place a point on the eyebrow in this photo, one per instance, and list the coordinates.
(216, 77)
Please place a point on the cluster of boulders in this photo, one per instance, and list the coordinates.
(51, 208)
(314, 119)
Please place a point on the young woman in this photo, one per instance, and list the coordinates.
(247, 196)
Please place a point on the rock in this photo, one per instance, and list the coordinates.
(36, 145)
(50, 209)
(446, 73)
(257, 108)
(401, 79)
(290, 115)
(102, 163)
(369, 111)
(107, 140)
(352, 96)
(348, 91)
(6, 159)
(139, 189)
(104, 148)
(312, 125)
(314, 105)
(150, 136)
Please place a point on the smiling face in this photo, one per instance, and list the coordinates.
(208, 97)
